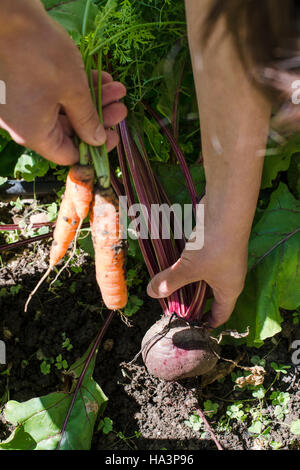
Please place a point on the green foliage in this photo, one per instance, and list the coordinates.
(293, 175)
(280, 401)
(30, 165)
(9, 155)
(66, 344)
(106, 425)
(13, 290)
(278, 160)
(273, 276)
(295, 427)
(259, 392)
(70, 16)
(280, 368)
(235, 411)
(157, 142)
(210, 408)
(174, 184)
(137, 35)
(133, 305)
(61, 363)
(195, 422)
(39, 422)
(45, 367)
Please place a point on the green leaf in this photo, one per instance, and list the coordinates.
(9, 157)
(173, 181)
(170, 68)
(258, 361)
(86, 244)
(133, 305)
(3, 180)
(39, 422)
(30, 165)
(259, 393)
(106, 425)
(275, 445)
(210, 408)
(274, 275)
(52, 212)
(293, 175)
(279, 160)
(70, 16)
(255, 428)
(158, 143)
(295, 427)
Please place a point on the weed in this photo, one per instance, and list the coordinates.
(295, 427)
(45, 367)
(66, 344)
(106, 425)
(61, 363)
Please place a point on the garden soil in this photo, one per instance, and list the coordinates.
(146, 413)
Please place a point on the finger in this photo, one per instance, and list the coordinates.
(169, 280)
(83, 116)
(112, 139)
(220, 312)
(57, 146)
(105, 77)
(111, 92)
(113, 114)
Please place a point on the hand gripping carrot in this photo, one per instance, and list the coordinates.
(109, 248)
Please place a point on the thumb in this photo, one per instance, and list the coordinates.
(220, 312)
(169, 280)
(83, 116)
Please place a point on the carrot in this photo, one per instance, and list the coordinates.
(109, 248)
(81, 186)
(74, 208)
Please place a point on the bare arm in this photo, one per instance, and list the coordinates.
(234, 118)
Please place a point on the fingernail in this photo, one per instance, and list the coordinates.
(100, 135)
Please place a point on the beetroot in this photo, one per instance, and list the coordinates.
(172, 349)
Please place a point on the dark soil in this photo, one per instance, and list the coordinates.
(147, 413)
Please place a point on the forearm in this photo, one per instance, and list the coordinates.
(234, 118)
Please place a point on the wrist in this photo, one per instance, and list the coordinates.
(228, 222)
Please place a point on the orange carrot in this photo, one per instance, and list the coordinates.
(80, 183)
(74, 208)
(109, 249)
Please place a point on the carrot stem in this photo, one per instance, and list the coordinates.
(83, 153)
(71, 255)
(37, 287)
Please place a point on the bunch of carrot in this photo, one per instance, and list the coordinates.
(83, 198)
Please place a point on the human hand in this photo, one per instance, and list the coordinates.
(48, 96)
(222, 265)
